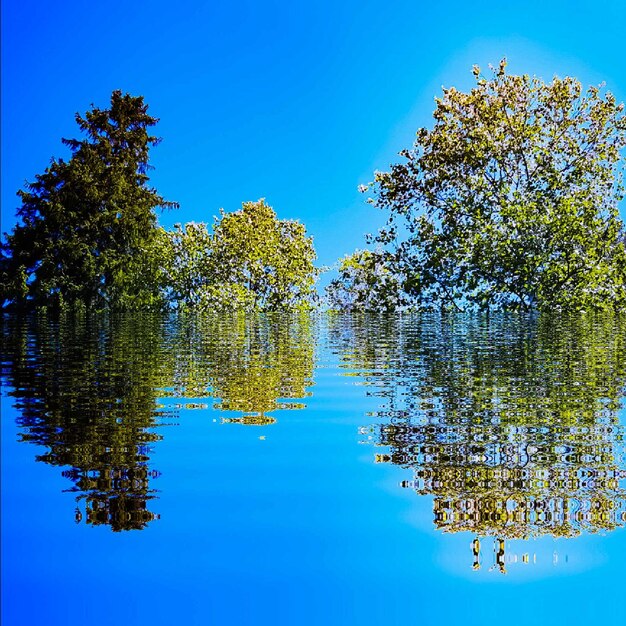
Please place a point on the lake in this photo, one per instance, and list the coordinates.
(313, 469)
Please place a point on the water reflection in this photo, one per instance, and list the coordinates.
(251, 365)
(510, 423)
(94, 391)
(84, 389)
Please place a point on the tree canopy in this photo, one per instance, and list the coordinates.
(368, 281)
(89, 234)
(251, 259)
(88, 229)
(511, 199)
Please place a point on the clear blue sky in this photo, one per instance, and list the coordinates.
(297, 102)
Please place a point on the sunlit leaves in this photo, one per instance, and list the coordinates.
(511, 199)
(250, 260)
(367, 281)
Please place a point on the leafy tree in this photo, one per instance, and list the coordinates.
(190, 268)
(88, 228)
(511, 200)
(367, 281)
(250, 260)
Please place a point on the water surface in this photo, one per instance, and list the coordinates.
(309, 469)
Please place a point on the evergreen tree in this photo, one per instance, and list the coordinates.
(88, 230)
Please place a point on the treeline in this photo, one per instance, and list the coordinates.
(89, 235)
(510, 201)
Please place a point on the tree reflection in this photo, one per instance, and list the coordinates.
(510, 423)
(250, 364)
(84, 387)
(93, 390)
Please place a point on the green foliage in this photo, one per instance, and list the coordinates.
(511, 200)
(88, 229)
(190, 265)
(367, 281)
(250, 260)
(88, 235)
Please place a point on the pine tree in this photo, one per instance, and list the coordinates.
(88, 232)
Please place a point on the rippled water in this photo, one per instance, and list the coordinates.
(312, 469)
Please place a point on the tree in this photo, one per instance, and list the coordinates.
(511, 200)
(88, 228)
(190, 265)
(250, 260)
(367, 281)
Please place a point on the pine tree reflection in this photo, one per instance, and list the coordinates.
(85, 391)
(511, 424)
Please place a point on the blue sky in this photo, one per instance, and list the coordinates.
(295, 102)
